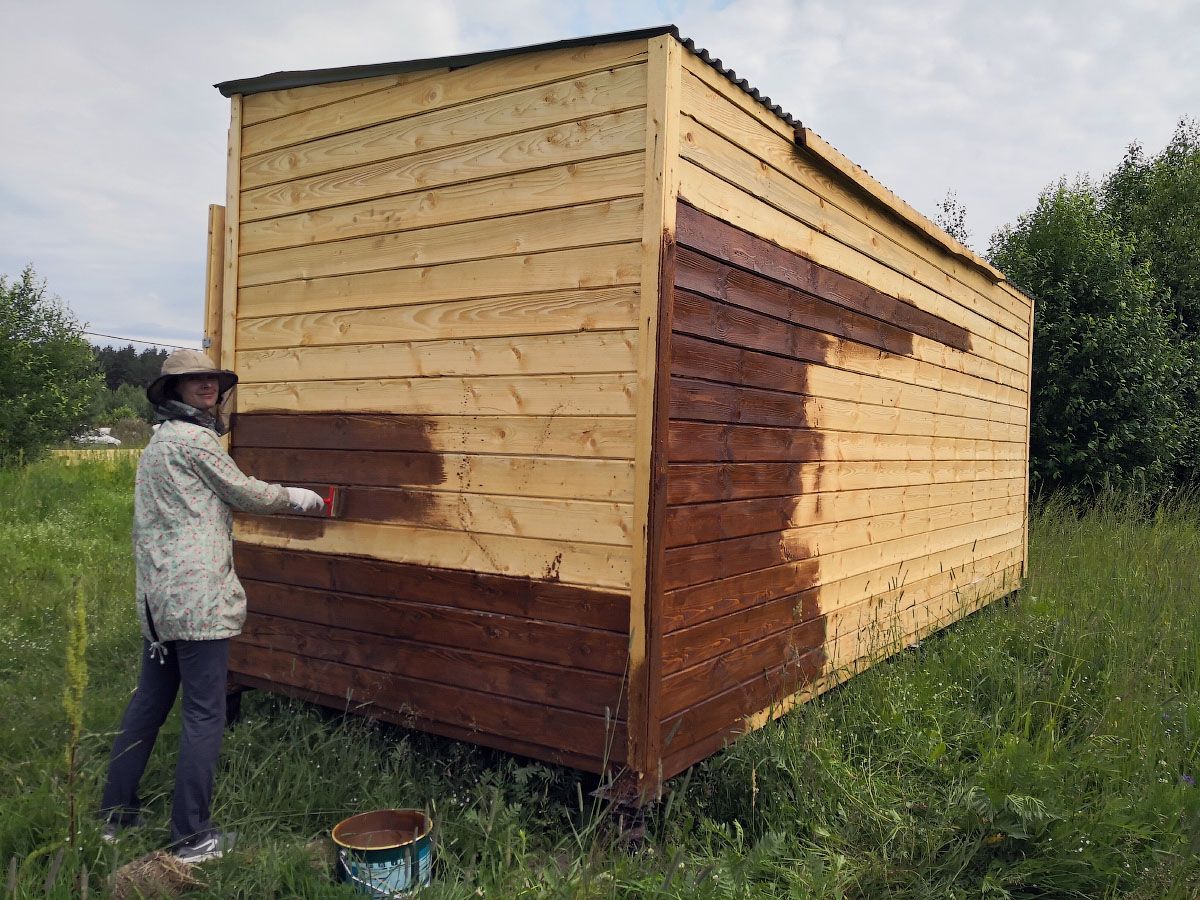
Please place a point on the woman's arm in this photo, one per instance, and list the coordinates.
(235, 487)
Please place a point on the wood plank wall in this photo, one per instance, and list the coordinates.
(848, 429)
(438, 286)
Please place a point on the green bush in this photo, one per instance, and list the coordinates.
(1107, 369)
(132, 431)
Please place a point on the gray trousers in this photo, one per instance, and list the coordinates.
(201, 668)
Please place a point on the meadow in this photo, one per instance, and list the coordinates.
(1044, 747)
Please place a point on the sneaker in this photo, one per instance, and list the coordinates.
(111, 831)
(211, 846)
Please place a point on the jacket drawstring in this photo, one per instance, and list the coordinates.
(157, 647)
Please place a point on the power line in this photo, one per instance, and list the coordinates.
(117, 337)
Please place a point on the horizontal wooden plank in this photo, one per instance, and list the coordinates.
(713, 599)
(578, 353)
(525, 476)
(477, 591)
(615, 265)
(715, 442)
(519, 638)
(530, 395)
(609, 437)
(486, 79)
(579, 521)
(727, 160)
(708, 401)
(713, 360)
(596, 565)
(706, 482)
(606, 178)
(564, 312)
(719, 199)
(274, 104)
(703, 729)
(610, 90)
(719, 109)
(607, 135)
(695, 67)
(606, 222)
(573, 732)
(779, 280)
(723, 302)
(532, 681)
(699, 523)
(698, 563)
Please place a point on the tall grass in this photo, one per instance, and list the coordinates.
(1045, 747)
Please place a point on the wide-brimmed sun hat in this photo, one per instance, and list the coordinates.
(188, 362)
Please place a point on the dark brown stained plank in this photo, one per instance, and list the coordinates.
(706, 482)
(499, 594)
(688, 647)
(723, 241)
(711, 360)
(570, 731)
(406, 720)
(546, 685)
(331, 431)
(727, 285)
(703, 603)
(345, 467)
(724, 442)
(552, 642)
(772, 685)
(721, 559)
(700, 523)
(799, 646)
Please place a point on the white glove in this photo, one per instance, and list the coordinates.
(304, 500)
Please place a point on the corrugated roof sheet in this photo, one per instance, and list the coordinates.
(277, 81)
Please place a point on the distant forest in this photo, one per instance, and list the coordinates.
(125, 371)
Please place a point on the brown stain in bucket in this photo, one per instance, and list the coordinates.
(382, 829)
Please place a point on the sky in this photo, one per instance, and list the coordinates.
(112, 138)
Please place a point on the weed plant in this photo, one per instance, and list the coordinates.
(1045, 747)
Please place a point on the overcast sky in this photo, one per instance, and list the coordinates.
(112, 142)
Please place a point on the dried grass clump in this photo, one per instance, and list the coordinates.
(158, 874)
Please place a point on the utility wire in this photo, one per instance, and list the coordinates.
(117, 337)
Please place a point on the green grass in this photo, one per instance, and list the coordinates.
(1045, 747)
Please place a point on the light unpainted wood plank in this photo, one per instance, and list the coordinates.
(727, 160)
(695, 67)
(531, 354)
(661, 140)
(725, 201)
(488, 79)
(605, 309)
(578, 521)
(779, 150)
(611, 90)
(213, 280)
(607, 135)
(517, 476)
(606, 178)
(607, 437)
(529, 395)
(606, 222)
(699, 401)
(556, 561)
(274, 104)
(558, 270)
(229, 256)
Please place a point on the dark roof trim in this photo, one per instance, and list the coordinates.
(278, 81)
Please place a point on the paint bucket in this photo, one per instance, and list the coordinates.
(386, 853)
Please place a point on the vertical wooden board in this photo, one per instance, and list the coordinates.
(663, 74)
(214, 291)
(229, 291)
(1028, 414)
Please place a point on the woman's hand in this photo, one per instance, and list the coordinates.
(304, 500)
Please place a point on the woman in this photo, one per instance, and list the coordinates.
(190, 602)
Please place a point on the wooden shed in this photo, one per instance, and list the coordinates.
(652, 414)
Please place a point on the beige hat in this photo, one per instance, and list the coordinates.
(188, 362)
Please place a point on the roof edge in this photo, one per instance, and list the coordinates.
(277, 81)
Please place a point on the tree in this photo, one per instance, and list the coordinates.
(1106, 367)
(47, 374)
(952, 218)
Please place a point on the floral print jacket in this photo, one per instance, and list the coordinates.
(183, 534)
